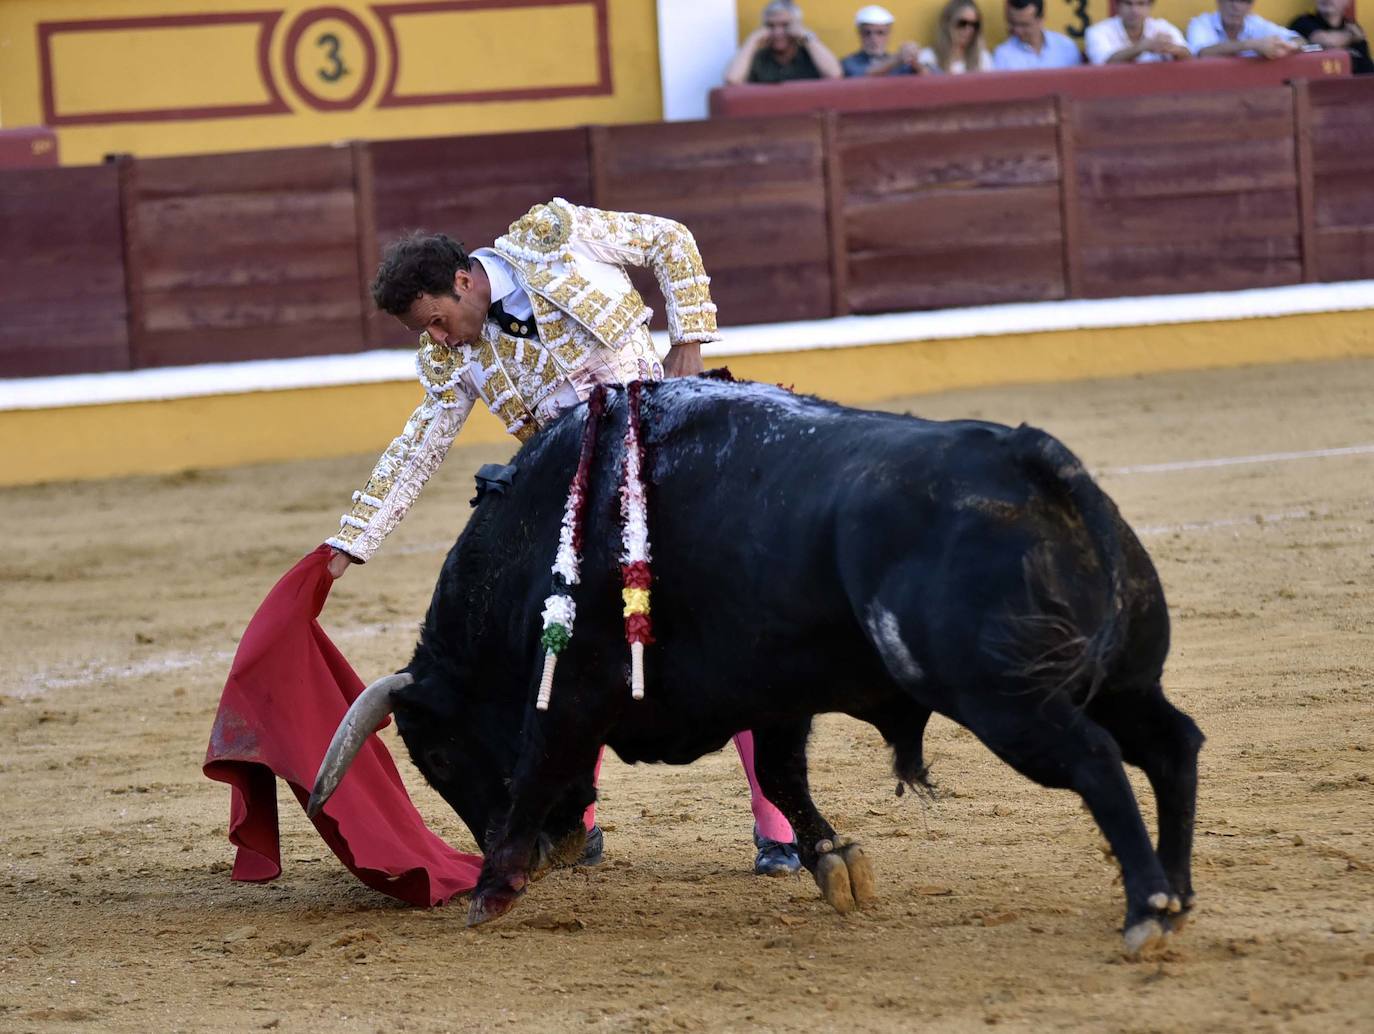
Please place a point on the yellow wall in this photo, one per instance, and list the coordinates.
(101, 75)
(79, 442)
(833, 20)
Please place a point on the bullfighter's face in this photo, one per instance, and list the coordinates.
(457, 318)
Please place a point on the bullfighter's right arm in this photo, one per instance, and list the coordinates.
(404, 467)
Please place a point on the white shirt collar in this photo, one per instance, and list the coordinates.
(498, 273)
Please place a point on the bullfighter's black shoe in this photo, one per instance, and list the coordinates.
(593, 853)
(775, 858)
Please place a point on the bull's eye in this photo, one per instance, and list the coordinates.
(437, 765)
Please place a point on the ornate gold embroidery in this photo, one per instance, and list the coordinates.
(544, 228)
(436, 364)
(627, 313)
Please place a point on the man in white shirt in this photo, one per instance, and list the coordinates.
(1233, 30)
(1134, 36)
(1030, 45)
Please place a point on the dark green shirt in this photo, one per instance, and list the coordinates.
(766, 69)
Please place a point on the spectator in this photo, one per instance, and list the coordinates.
(783, 49)
(1134, 36)
(959, 42)
(1232, 30)
(1330, 29)
(875, 29)
(1031, 45)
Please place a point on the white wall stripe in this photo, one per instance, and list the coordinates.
(1235, 461)
(1258, 520)
(842, 332)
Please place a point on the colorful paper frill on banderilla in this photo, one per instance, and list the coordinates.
(560, 611)
(636, 577)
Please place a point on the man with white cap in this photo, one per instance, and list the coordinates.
(874, 24)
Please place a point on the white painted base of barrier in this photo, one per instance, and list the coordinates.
(841, 332)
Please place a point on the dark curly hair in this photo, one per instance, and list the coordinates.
(422, 263)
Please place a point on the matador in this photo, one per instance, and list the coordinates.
(529, 326)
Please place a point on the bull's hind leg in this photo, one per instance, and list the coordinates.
(1059, 746)
(843, 873)
(1163, 742)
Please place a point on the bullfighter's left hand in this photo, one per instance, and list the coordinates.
(682, 360)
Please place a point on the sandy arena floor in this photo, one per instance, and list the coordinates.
(122, 601)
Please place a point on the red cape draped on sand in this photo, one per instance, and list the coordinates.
(287, 691)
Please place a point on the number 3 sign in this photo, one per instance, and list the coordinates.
(331, 60)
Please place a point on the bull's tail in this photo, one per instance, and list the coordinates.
(1053, 652)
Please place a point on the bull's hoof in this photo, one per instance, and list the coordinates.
(1166, 914)
(490, 905)
(832, 876)
(1145, 938)
(862, 882)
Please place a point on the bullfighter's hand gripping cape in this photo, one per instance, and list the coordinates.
(287, 691)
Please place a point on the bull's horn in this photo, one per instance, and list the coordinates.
(366, 713)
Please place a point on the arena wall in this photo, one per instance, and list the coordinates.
(162, 421)
(163, 77)
(267, 254)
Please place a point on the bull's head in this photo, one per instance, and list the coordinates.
(465, 744)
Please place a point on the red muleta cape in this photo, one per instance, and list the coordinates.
(287, 691)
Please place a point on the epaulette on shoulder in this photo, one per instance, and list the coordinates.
(540, 233)
(437, 365)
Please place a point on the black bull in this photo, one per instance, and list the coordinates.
(807, 558)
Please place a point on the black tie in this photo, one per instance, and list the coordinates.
(509, 324)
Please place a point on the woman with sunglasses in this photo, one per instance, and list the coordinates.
(959, 41)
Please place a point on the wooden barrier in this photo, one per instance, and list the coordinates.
(1336, 148)
(244, 256)
(62, 303)
(1185, 193)
(753, 193)
(951, 206)
(269, 254)
(469, 187)
(28, 147)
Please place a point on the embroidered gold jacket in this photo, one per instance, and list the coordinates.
(570, 262)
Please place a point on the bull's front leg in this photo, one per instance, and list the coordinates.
(548, 764)
(843, 873)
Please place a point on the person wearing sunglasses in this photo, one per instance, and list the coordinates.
(1031, 45)
(958, 42)
(781, 50)
(1234, 30)
(1133, 36)
(872, 58)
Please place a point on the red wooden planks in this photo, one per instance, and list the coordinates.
(753, 194)
(245, 256)
(1186, 193)
(958, 206)
(1339, 118)
(62, 303)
